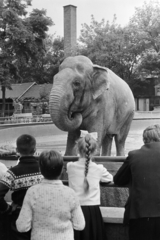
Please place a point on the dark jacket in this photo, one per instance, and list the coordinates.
(141, 171)
(18, 179)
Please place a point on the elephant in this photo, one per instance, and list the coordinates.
(90, 97)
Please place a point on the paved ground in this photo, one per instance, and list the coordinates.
(134, 140)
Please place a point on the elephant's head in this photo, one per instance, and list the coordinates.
(75, 87)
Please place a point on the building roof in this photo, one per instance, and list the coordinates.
(37, 91)
(17, 90)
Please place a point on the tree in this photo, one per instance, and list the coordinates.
(51, 60)
(133, 51)
(46, 66)
(110, 45)
(21, 40)
(55, 54)
(146, 22)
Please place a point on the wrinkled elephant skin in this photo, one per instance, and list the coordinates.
(89, 97)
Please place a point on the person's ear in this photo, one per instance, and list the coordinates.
(18, 152)
(34, 151)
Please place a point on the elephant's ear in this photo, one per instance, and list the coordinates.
(100, 81)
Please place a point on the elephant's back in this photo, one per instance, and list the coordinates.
(120, 89)
(116, 80)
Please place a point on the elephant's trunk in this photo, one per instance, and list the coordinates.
(59, 106)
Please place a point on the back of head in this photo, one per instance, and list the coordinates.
(87, 147)
(51, 164)
(152, 134)
(26, 144)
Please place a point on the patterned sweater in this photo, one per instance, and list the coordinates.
(52, 210)
(18, 179)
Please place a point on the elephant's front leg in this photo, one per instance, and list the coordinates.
(107, 145)
(71, 142)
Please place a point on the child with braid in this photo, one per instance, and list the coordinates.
(84, 177)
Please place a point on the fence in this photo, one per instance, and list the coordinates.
(25, 118)
(30, 118)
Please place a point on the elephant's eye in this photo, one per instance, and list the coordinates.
(76, 84)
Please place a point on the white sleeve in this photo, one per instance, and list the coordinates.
(3, 170)
(68, 166)
(77, 216)
(106, 176)
(24, 220)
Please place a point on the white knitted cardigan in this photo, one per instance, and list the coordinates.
(51, 210)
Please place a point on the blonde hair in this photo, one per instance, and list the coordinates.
(87, 146)
(151, 134)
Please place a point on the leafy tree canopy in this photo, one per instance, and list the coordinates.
(132, 51)
(22, 37)
(110, 45)
(146, 22)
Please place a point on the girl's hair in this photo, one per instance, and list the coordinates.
(152, 134)
(87, 146)
(51, 164)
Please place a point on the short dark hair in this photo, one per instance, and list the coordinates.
(26, 144)
(51, 164)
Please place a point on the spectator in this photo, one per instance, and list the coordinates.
(3, 169)
(84, 176)
(18, 179)
(51, 209)
(141, 172)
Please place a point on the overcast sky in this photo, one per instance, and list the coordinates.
(124, 9)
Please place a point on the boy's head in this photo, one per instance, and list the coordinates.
(51, 164)
(26, 145)
(151, 134)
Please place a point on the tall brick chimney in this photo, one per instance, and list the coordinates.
(70, 30)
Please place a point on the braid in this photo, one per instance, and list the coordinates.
(87, 147)
(86, 184)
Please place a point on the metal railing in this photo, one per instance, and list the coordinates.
(97, 159)
(29, 118)
(26, 118)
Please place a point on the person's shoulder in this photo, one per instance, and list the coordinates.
(14, 170)
(98, 166)
(34, 187)
(71, 165)
(68, 190)
(134, 152)
(11, 171)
